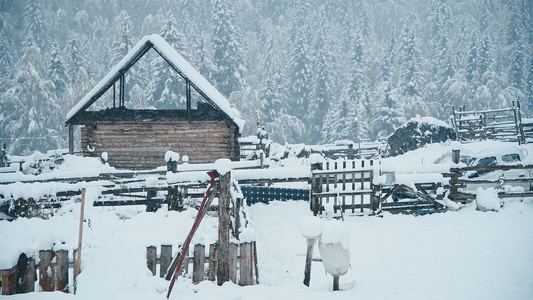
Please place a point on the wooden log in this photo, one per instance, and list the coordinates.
(223, 229)
(46, 271)
(62, 271)
(309, 261)
(245, 266)
(212, 270)
(198, 264)
(165, 259)
(151, 258)
(233, 262)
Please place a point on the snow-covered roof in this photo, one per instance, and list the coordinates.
(166, 51)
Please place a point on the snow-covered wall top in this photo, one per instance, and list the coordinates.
(174, 58)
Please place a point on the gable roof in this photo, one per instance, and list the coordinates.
(175, 60)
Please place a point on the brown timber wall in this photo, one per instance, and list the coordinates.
(140, 146)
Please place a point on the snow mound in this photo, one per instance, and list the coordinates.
(311, 227)
(487, 200)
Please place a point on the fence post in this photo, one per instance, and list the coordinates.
(46, 271)
(151, 257)
(456, 156)
(198, 263)
(223, 229)
(28, 279)
(165, 259)
(62, 271)
(246, 265)
(233, 262)
(212, 271)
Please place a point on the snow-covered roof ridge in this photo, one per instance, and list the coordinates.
(172, 57)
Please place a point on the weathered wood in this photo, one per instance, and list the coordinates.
(309, 261)
(151, 257)
(212, 270)
(27, 281)
(254, 249)
(246, 269)
(198, 264)
(46, 272)
(165, 259)
(77, 254)
(233, 262)
(62, 271)
(335, 283)
(143, 145)
(223, 229)
(9, 281)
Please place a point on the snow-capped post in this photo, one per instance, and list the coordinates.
(223, 168)
(172, 159)
(456, 156)
(333, 247)
(311, 229)
(317, 163)
(3, 157)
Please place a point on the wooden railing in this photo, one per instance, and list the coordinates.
(242, 263)
(21, 278)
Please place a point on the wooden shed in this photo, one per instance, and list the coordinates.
(139, 138)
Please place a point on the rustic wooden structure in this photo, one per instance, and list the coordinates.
(241, 257)
(138, 139)
(52, 273)
(342, 182)
(499, 124)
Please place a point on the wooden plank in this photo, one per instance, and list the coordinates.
(233, 247)
(198, 264)
(212, 270)
(309, 261)
(165, 260)
(27, 283)
(46, 271)
(151, 257)
(245, 266)
(62, 271)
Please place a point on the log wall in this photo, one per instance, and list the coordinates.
(139, 146)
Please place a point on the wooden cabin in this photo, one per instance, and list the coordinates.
(139, 138)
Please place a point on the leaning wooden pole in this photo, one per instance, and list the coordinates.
(77, 265)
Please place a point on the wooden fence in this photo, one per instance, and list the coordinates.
(459, 185)
(342, 182)
(51, 276)
(498, 124)
(242, 263)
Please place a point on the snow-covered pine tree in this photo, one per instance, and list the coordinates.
(166, 89)
(35, 24)
(301, 64)
(7, 46)
(74, 56)
(227, 45)
(411, 75)
(33, 122)
(57, 71)
(324, 80)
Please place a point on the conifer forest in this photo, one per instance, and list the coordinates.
(310, 71)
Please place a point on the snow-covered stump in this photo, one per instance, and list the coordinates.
(487, 200)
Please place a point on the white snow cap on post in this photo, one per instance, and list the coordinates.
(223, 166)
(311, 227)
(171, 155)
(333, 246)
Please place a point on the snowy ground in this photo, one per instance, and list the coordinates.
(465, 254)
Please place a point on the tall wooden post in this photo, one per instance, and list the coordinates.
(223, 229)
(71, 139)
(309, 260)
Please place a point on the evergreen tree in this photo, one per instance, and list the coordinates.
(167, 88)
(33, 121)
(7, 46)
(516, 70)
(75, 56)
(472, 69)
(124, 41)
(57, 72)
(228, 52)
(324, 82)
(389, 112)
(35, 24)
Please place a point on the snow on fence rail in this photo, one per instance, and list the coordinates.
(242, 263)
(54, 272)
